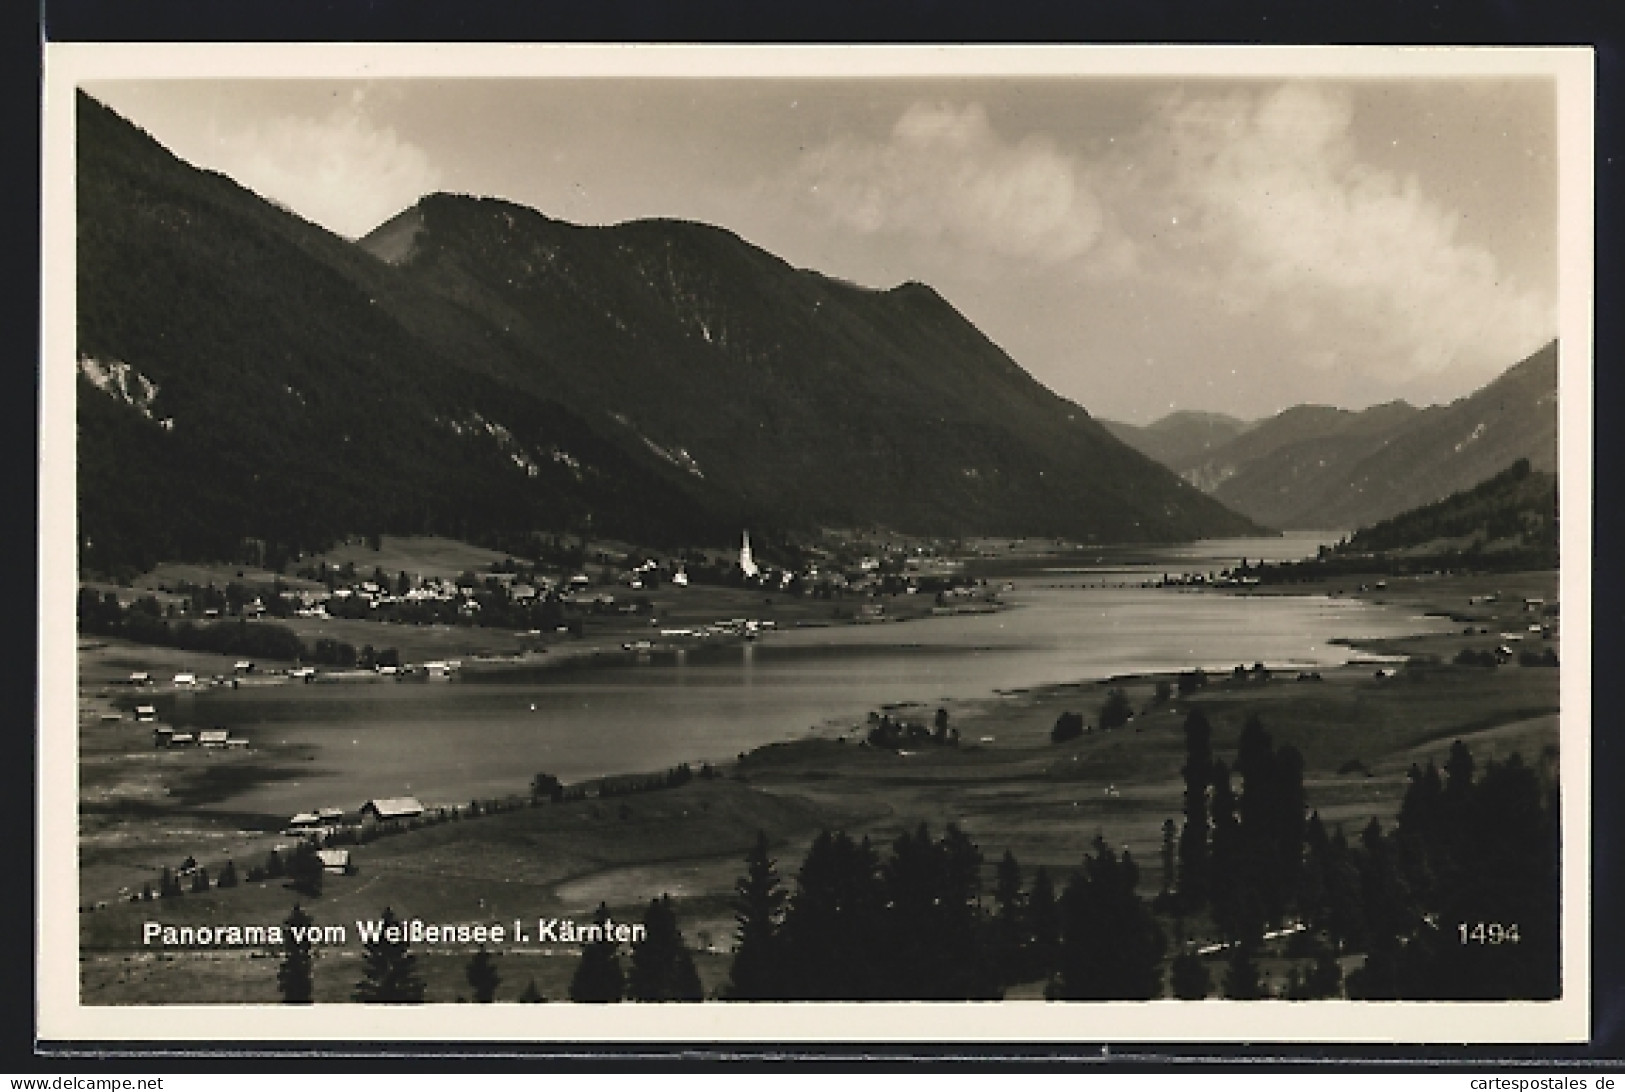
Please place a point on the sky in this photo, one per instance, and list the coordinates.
(1140, 245)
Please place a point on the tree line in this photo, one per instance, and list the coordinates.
(1457, 900)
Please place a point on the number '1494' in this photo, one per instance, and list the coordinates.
(1488, 932)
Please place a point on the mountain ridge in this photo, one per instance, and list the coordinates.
(474, 367)
(1322, 468)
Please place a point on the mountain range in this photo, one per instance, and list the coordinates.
(1321, 468)
(475, 368)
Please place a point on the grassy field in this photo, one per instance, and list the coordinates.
(1007, 785)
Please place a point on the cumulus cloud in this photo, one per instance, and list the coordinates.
(1262, 201)
(1246, 224)
(340, 169)
(944, 174)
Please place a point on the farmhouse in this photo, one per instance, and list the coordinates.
(307, 824)
(385, 809)
(336, 861)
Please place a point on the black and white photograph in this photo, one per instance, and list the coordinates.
(998, 543)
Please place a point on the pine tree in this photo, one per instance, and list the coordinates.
(1458, 769)
(598, 977)
(531, 995)
(1290, 825)
(1255, 864)
(1188, 976)
(932, 923)
(1325, 977)
(1241, 981)
(1010, 928)
(759, 911)
(389, 969)
(1194, 865)
(228, 876)
(482, 976)
(1111, 945)
(662, 969)
(834, 943)
(1043, 928)
(1170, 850)
(295, 978)
(305, 870)
(1225, 860)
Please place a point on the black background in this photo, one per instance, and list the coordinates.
(1411, 22)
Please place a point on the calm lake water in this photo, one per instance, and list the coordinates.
(449, 741)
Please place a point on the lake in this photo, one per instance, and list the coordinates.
(448, 741)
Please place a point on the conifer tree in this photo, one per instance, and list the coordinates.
(1010, 928)
(1170, 838)
(389, 969)
(1325, 975)
(1193, 842)
(934, 944)
(1458, 769)
(295, 978)
(482, 976)
(530, 995)
(1043, 928)
(1111, 946)
(833, 929)
(1290, 824)
(662, 969)
(758, 906)
(1224, 872)
(1241, 980)
(305, 870)
(598, 977)
(1188, 976)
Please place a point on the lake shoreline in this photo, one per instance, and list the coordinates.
(1007, 784)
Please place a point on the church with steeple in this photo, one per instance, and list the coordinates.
(747, 562)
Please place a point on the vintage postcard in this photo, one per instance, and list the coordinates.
(863, 543)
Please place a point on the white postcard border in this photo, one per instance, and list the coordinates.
(62, 1018)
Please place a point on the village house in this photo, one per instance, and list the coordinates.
(146, 713)
(335, 861)
(388, 809)
(213, 737)
(307, 824)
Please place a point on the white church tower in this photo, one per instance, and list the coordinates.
(747, 563)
